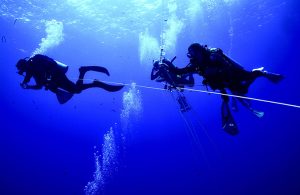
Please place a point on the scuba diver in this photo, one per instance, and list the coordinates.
(160, 73)
(51, 74)
(219, 72)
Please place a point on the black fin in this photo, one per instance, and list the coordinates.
(94, 68)
(63, 96)
(228, 123)
(184, 106)
(230, 126)
(275, 78)
(107, 87)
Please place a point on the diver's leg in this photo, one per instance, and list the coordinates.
(247, 104)
(260, 72)
(99, 84)
(62, 87)
(64, 83)
(233, 104)
(228, 123)
(184, 106)
(225, 112)
(225, 97)
(84, 69)
(81, 76)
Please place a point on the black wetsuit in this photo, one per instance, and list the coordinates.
(41, 68)
(47, 72)
(161, 73)
(220, 72)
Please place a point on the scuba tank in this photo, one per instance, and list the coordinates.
(230, 62)
(49, 63)
(63, 67)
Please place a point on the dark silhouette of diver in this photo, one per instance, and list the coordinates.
(160, 73)
(219, 72)
(51, 74)
(3, 39)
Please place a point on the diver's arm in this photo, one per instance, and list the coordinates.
(186, 70)
(26, 86)
(156, 76)
(154, 73)
(34, 86)
(26, 80)
(168, 63)
(178, 71)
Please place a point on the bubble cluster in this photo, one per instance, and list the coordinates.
(132, 103)
(105, 164)
(93, 186)
(54, 36)
(109, 153)
(174, 27)
(148, 48)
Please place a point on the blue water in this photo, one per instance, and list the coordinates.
(136, 141)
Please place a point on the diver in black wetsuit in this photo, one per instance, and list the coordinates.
(51, 74)
(219, 72)
(3, 39)
(160, 73)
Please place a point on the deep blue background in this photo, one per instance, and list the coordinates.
(47, 148)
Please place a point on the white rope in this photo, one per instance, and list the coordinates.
(208, 92)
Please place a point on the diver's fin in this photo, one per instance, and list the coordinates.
(258, 113)
(273, 77)
(229, 125)
(247, 104)
(107, 87)
(234, 105)
(63, 96)
(84, 69)
(184, 106)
